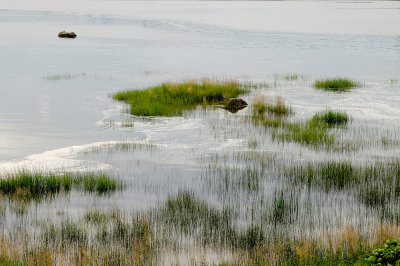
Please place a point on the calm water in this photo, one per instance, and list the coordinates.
(129, 44)
(56, 112)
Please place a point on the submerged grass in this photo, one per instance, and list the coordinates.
(336, 84)
(275, 107)
(171, 99)
(314, 132)
(374, 184)
(27, 185)
(57, 77)
(116, 238)
(331, 118)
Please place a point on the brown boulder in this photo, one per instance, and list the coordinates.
(65, 34)
(235, 104)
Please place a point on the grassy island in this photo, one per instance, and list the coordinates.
(171, 99)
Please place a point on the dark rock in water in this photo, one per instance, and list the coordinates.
(65, 34)
(235, 104)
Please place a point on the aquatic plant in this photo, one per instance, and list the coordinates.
(311, 133)
(57, 77)
(27, 185)
(331, 117)
(274, 106)
(373, 184)
(102, 238)
(314, 132)
(284, 207)
(171, 99)
(336, 84)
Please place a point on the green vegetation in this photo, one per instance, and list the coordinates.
(27, 185)
(171, 99)
(291, 77)
(375, 185)
(277, 107)
(331, 118)
(311, 133)
(284, 207)
(388, 254)
(127, 124)
(117, 240)
(314, 132)
(337, 84)
(186, 214)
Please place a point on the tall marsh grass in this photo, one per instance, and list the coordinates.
(314, 132)
(27, 185)
(171, 99)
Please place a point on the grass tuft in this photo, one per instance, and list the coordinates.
(275, 107)
(171, 99)
(28, 185)
(331, 118)
(337, 84)
(314, 132)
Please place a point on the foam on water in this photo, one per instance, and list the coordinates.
(59, 160)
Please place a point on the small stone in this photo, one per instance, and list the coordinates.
(236, 103)
(64, 34)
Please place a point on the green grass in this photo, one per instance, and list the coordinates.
(336, 84)
(314, 132)
(104, 238)
(311, 133)
(171, 99)
(284, 207)
(277, 107)
(374, 184)
(29, 185)
(210, 226)
(331, 118)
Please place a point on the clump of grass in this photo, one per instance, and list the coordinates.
(331, 117)
(27, 185)
(275, 107)
(336, 84)
(127, 124)
(310, 133)
(375, 185)
(68, 233)
(284, 207)
(185, 213)
(314, 132)
(292, 77)
(171, 99)
(90, 182)
(328, 175)
(102, 238)
(209, 225)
